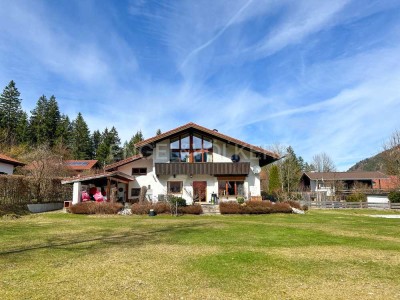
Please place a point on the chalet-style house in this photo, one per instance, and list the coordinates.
(331, 181)
(7, 164)
(195, 163)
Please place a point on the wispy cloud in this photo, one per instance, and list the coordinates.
(320, 76)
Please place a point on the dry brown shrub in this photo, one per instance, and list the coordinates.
(190, 209)
(91, 208)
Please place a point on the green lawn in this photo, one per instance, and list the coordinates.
(325, 254)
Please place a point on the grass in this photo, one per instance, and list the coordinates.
(331, 254)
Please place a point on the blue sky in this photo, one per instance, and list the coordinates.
(321, 76)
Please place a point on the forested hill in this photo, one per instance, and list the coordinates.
(374, 163)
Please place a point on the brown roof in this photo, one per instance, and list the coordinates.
(123, 162)
(80, 164)
(6, 159)
(273, 156)
(115, 175)
(345, 175)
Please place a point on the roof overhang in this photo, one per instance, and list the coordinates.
(116, 176)
(265, 156)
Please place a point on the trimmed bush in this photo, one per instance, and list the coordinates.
(164, 208)
(92, 208)
(179, 201)
(356, 197)
(190, 209)
(394, 197)
(14, 209)
(240, 200)
(264, 207)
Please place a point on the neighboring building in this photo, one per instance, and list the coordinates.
(330, 181)
(194, 162)
(79, 166)
(7, 164)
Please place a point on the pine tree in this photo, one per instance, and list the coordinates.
(138, 137)
(37, 123)
(64, 132)
(109, 150)
(291, 171)
(10, 112)
(96, 140)
(52, 119)
(81, 143)
(274, 183)
(158, 132)
(22, 129)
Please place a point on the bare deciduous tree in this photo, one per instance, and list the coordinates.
(391, 154)
(322, 163)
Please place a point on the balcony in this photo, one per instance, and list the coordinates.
(228, 168)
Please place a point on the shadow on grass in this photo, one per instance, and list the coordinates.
(129, 239)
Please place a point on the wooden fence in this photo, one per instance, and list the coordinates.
(339, 204)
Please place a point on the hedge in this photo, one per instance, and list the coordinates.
(18, 189)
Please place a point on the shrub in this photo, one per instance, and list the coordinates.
(161, 208)
(264, 207)
(240, 200)
(191, 209)
(231, 207)
(356, 197)
(256, 207)
(14, 209)
(394, 197)
(179, 201)
(141, 208)
(294, 204)
(281, 207)
(91, 208)
(270, 197)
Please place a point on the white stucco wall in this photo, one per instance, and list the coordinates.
(158, 185)
(6, 168)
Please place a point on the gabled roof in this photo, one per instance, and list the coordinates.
(123, 162)
(345, 175)
(268, 155)
(80, 164)
(116, 175)
(8, 160)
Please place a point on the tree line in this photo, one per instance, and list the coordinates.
(47, 125)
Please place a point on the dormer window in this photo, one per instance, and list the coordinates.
(191, 148)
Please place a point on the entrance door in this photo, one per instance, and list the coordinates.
(199, 191)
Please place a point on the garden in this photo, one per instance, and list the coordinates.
(332, 254)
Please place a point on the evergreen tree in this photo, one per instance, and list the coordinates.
(109, 150)
(37, 123)
(81, 143)
(158, 132)
(274, 182)
(138, 137)
(64, 132)
(22, 133)
(10, 112)
(52, 119)
(96, 140)
(291, 171)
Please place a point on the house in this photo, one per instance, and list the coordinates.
(195, 163)
(331, 181)
(7, 164)
(80, 166)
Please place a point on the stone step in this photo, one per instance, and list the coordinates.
(209, 209)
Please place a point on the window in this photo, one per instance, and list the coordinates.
(139, 171)
(175, 187)
(191, 148)
(135, 192)
(230, 188)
